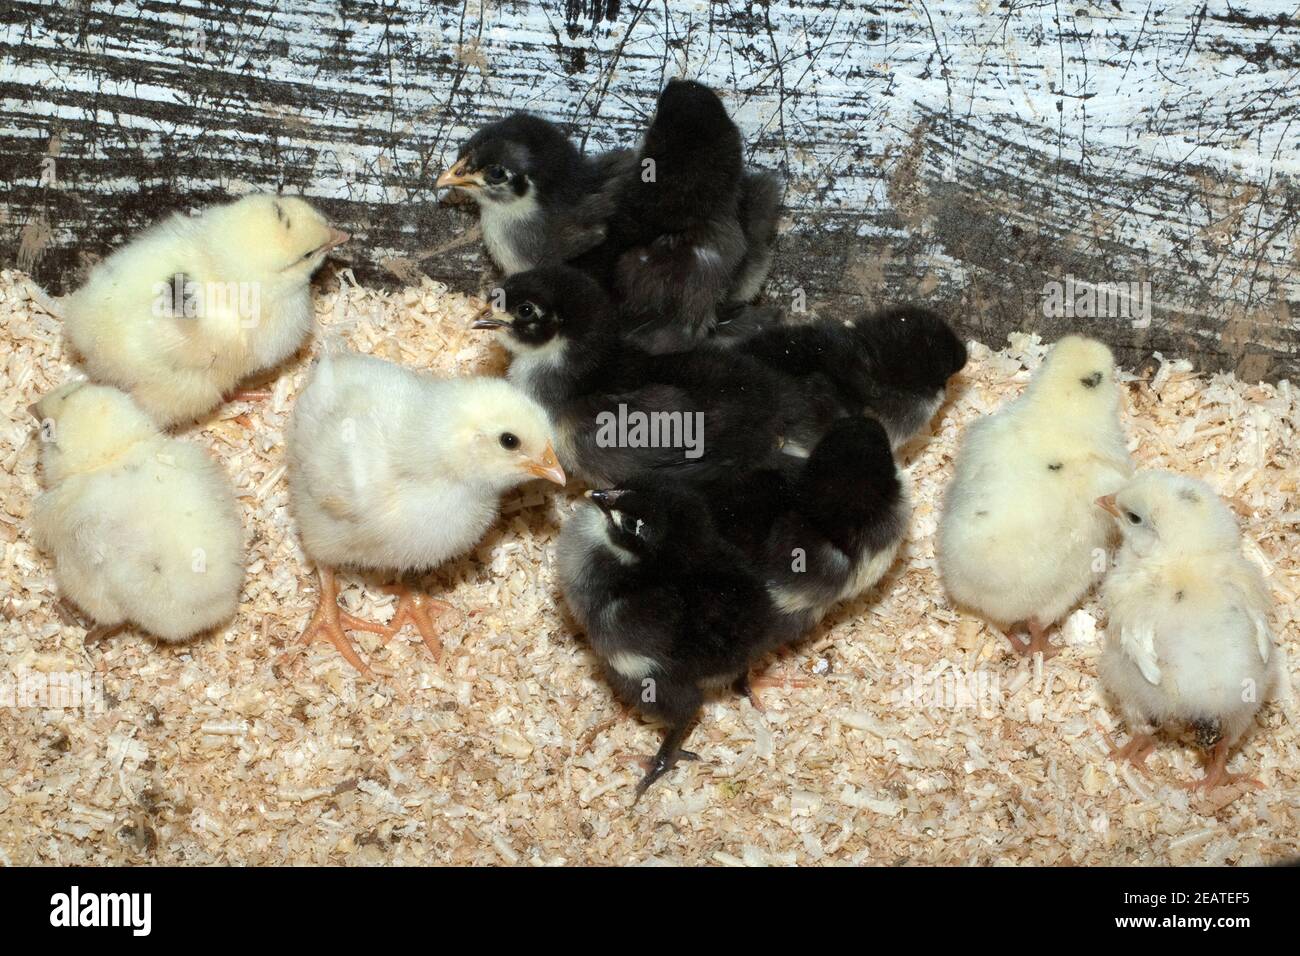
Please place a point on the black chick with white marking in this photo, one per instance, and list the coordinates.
(540, 199)
(679, 244)
(894, 365)
(671, 608)
(701, 415)
(823, 529)
(761, 196)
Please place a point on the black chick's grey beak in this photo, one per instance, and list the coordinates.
(487, 319)
(605, 498)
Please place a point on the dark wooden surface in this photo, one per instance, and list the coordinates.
(967, 154)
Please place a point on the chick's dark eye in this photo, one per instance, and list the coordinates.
(1133, 518)
(509, 441)
(495, 174)
(526, 311)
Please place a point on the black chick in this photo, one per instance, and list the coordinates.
(540, 200)
(620, 412)
(894, 365)
(761, 196)
(679, 244)
(823, 529)
(669, 606)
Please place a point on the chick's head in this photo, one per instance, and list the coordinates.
(912, 348)
(656, 520)
(1162, 509)
(1077, 377)
(85, 426)
(688, 115)
(278, 240)
(507, 161)
(541, 305)
(501, 437)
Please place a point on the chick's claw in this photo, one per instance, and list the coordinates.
(330, 621)
(1038, 642)
(750, 688)
(1217, 775)
(1136, 751)
(658, 765)
(422, 611)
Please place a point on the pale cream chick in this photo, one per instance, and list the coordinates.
(193, 305)
(1020, 540)
(1188, 637)
(143, 528)
(398, 471)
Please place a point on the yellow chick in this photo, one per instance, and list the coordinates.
(1188, 636)
(143, 528)
(194, 304)
(1020, 540)
(393, 470)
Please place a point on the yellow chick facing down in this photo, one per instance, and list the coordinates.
(191, 306)
(1020, 539)
(143, 528)
(1188, 637)
(393, 470)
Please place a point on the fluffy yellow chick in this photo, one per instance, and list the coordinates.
(1020, 539)
(143, 527)
(393, 470)
(194, 304)
(1188, 637)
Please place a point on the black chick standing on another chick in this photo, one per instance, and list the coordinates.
(894, 365)
(570, 358)
(669, 606)
(822, 529)
(692, 230)
(540, 200)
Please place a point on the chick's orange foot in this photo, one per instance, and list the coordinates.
(1136, 751)
(330, 621)
(748, 687)
(421, 611)
(1038, 642)
(1217, 775)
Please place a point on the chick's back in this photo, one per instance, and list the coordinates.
(153, 540)
(362, 486)
(1205, 617)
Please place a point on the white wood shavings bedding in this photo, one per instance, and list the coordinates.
(921, 738)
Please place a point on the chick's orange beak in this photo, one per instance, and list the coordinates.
(1107, 503)
(34, 409)
(548, 467)
(336, 238)
(459, 175)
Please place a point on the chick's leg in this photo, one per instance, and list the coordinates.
(670, 752)
(1217, 775)
(1038, 642)
(1136, 751)
(420, 610)
(329, 621)
(748, 687)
